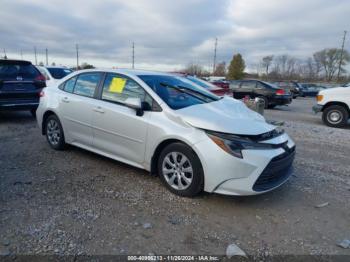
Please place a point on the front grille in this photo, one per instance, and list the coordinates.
(276, 172)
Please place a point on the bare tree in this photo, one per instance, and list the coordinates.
(266, 63)
(194, 69)
(220, 69)
(329, 59)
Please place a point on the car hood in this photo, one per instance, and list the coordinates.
(336, 90)
(226, 115)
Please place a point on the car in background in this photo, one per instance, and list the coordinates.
(21, 84)
(334, 103)
(271, 94)
(53, 73)
(291, 86)
(192, 139)
(221, 83)
(209, 86)
(310, 89)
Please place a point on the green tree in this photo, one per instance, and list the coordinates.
(236, 68)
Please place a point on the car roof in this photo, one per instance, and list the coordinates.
(14, 62)
(134, 72)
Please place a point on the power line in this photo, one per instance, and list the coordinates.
(133, 55)
(77, 50)
(36, 60)
(341, 55)
(214, 63)
(47, 57)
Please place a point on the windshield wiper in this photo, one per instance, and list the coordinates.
(190, 92)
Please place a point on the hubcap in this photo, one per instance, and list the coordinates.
(177, 170)
(335, 117)
(53, 132)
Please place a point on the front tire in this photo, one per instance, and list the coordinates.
(335, 116)
(180, 170)
(54, 133)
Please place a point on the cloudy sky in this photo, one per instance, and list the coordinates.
(169, 34)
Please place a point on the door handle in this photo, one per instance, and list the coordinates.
(99, 110)
(65, 99)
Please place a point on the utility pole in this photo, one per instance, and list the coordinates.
(133, 55)
(47, 57)
(5, 56)
(214, 63)
(77, 49)
(21, 54)
(341, 55)
(36, 60)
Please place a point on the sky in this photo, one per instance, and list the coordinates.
(169, 34)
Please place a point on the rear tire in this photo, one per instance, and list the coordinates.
(54, 133)
(180, 170)
(266, 101)
(335, 116)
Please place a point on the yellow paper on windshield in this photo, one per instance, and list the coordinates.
(117, 85)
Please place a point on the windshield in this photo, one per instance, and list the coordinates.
(201, 82)
(59, 73)
(178, 92)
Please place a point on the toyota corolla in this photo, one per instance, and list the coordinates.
(191, 138)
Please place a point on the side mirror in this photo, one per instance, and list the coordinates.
(134, 103)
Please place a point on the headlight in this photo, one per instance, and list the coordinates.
(234, 144)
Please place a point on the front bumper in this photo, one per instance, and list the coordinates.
(317, 108)
(259, 171)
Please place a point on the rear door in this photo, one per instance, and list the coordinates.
(20, 82)
(246, 88)
(76, 106)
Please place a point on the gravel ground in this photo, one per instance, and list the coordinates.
(76, 202)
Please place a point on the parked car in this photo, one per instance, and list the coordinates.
(212, 88)
(309, 89)
(290, 86)
(53, 73)
(193, 139)
(221, 83)
(334, 103)
(20, 85)
(271, 94)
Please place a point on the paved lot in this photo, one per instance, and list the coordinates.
(76, 202)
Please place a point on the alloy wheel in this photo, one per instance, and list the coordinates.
(53, 132)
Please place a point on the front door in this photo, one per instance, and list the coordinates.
(117, 130)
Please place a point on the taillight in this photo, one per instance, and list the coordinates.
(42, 93)
(280, 92)
(40, 78)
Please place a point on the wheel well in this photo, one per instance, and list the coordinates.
(336, 104)
(156, 154)
(46, 115)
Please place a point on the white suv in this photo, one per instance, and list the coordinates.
(334, 103)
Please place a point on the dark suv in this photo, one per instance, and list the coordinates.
(20, 85)
(271, 94)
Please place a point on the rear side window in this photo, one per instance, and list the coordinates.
(69, 85)
(248, 85)
(86, 84)
(13, 70)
